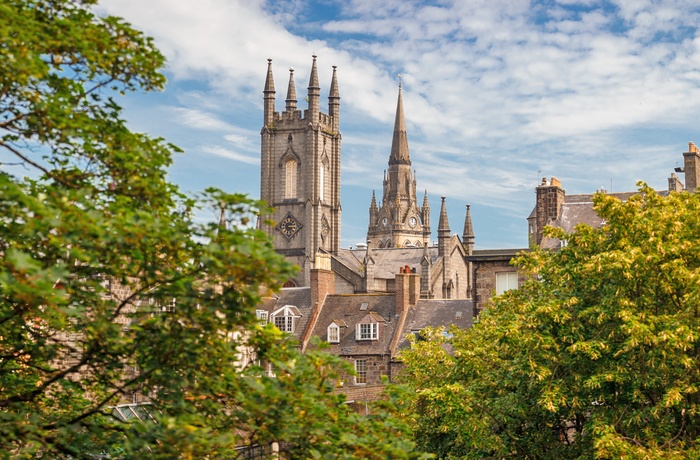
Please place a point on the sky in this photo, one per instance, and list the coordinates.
(497, 95)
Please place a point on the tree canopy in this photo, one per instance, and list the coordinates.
(595, 357)
(112, 291)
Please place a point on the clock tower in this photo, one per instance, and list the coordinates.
(300, 173)
(398, 221)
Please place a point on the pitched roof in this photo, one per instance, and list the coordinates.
(578, 209)
(299, 297)
(346, 308)
(437, 313)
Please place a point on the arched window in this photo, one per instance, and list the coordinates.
(290, 179)
(321, 181)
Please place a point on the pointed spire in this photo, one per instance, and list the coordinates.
(291, 93)
(334, 101)
(269, 81)
(373, 204)
(443, 230)
(314, 91)
(334, 94)
(468, 234)
(426, 205)
(399, 144)
(443, 225)
(468, 230)
(269, 92)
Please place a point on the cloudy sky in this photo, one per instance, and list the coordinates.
(497, 94)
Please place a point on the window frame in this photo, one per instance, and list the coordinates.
(510, 277)
(361, 372)
(284, 323)
(263, 316)
(367, 331)
(333, 333)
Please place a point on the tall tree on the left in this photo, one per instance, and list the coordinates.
(108, 288)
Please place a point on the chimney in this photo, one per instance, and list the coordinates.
(674, 183)
(413, 287)
(550, 198)
(322, 281)
(407, 294)
(407, 284)
(691, 167)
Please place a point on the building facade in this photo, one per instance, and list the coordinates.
(300, 179)
(300, 172)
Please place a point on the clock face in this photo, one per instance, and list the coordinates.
(289, 226)
(412, 222)
(384, 221)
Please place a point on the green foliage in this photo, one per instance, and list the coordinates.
(595, 357)
(111, 290)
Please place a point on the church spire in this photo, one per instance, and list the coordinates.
(399, 144)
(269, 91)
(468, 234)
(291, 93)
(334, 101)
(373, 211)
(443, 224)
(443, 230)
(314, 92)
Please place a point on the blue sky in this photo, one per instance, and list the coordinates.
(497, 94)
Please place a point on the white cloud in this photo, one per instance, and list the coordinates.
(494, 90)
(230, 154)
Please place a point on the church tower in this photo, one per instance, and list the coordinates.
(300, 173)
(398, 221)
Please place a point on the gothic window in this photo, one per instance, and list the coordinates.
(290, 179)
(418, 244)
(322, 180)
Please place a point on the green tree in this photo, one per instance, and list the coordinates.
(595, 357)
(109, 288)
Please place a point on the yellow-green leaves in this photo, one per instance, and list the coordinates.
(596, 358)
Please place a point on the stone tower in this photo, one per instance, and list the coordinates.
(300, 173)
(398, 221)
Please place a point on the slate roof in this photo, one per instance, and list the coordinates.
(578, 209)
(386, 260)
(352, 259)
(437, 313)
(346, 308)
(299, 297)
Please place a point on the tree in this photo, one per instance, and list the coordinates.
(595, 357)
(110, 289)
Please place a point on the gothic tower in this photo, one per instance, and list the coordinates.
(398, 221)
(300, 173)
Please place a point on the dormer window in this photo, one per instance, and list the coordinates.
(333, 333)
(285, 319)
(368, 327)
(262, 316)
(369, 331)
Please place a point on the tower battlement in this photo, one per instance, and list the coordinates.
(300, 119)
